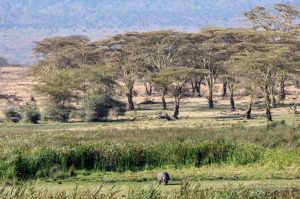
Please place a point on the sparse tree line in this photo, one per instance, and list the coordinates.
(75, 72)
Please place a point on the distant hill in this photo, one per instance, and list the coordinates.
(24, 21)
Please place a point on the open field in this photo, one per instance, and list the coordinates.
(218, 152)
(276, 170)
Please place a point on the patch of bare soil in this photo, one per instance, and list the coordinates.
(16, 86)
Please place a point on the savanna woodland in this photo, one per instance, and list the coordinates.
(216, 109)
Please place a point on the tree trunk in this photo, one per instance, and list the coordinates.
(268, 113)
(198, 88)
(224, 93)
(232, 107)
(193, 87)
(176, 111)
(164, 93)
(249, 109)
(210, 96)
(148, 88)
(297, 83)
(282, 90)
(130, 99)
(268, 107)
(273, 99)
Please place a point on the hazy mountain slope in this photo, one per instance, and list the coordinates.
(22, 21)
(122, 13)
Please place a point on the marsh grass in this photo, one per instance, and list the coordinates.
(32, 191)
(28, 136)
(186, 191)
(120, 157)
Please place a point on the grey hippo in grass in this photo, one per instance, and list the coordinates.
(163, 177)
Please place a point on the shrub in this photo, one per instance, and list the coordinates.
(56, 112)
(22, 167)
(97, 107)
(215, 151)
(13, 115)
(31, 113)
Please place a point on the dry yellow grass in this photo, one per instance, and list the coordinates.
(16, 86)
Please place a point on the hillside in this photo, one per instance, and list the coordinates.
(22, 22)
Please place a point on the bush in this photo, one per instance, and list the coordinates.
(97, 107)
(13, 115)
(215, 151)
(31, 113)
(57, 112)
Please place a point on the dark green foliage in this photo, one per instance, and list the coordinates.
(47, 162)
(13, 115)
(216, 151)
(31, 113)
(56, 112)
(246, 154)
(97, 107)
(22, 167)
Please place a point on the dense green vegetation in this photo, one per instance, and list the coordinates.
(136, 150)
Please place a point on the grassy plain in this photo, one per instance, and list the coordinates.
(263, 159)
(277, 170)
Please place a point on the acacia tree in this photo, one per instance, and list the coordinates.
(160, 51)
(231, 82)
(61, 53)
(176, 78)
(283, 25)
(122, 54)
(69, 67)
(57, 58)
(209, 55)
(189, 57)
(260, 68)
(58, 85)
(210, 50)
(234, 41)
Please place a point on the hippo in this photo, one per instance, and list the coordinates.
(163, 177)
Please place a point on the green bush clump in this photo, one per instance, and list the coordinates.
(246, 154)
(215, 151)
(31, 113)
(56, 112)
(98, 107)
(22, 167)
(13, 115)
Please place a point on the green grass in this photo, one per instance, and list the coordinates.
(251, 156)
(30, 136)
(192, 190)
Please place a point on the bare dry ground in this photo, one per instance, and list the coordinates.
(16, 88)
